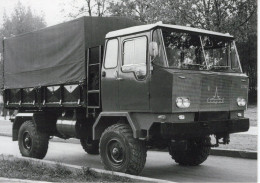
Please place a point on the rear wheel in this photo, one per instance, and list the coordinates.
(90, 146)
(197, 152)
(120, 151)
(32, 143)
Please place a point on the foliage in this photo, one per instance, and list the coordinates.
(87, 8)
(21, 21)
(135, 9)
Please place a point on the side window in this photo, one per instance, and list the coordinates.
(111, 54)
(134, 56)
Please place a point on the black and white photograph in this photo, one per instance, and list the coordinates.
(129, 91)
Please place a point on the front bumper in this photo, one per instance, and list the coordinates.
(203, 128)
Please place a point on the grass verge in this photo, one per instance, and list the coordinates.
(11, 167)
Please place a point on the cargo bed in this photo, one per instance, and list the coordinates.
(58, 66)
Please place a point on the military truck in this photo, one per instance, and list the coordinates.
(123, 88)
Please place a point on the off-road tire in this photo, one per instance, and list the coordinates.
(196, 153)
(90, 146)
(134, 150)
(39, 141)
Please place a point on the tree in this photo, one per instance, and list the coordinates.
(88, 8)
(22, 20)
(217, 15)
(135, 9)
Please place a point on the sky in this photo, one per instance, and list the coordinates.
(50, 8)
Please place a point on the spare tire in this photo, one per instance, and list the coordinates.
(197, 152)
(90, 146)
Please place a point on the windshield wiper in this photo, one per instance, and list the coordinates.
(191, 66)
(219, 68)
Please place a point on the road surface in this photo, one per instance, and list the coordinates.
(158, 165)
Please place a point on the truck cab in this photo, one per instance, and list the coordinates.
(176, 86)
(173, 74)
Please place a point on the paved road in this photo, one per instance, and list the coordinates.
(159, 164)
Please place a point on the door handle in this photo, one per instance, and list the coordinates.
(182, 77)
(119, 79)
(103, 74)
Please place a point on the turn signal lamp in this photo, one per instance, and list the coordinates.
(241, 102)
(183, 102)
(239, 114)
(181, 117)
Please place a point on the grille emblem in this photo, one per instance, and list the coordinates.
(215, 99)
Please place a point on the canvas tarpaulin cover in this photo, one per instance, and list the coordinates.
(55, 55)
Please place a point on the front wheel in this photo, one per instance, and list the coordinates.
(197, 152)
(32, 143)
(120, 151)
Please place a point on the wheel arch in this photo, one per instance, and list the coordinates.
(106, 119)
(18, 121)
(44, 122)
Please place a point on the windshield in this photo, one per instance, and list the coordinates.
(198, 52)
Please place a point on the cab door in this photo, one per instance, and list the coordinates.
(133, 74)
(109, 82)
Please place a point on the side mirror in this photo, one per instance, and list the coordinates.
(153, 49)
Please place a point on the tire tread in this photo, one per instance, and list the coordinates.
(94, 149)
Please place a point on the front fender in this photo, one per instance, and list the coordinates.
(106, 119)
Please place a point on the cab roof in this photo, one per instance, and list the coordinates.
(142, 28)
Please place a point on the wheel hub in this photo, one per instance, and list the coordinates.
(115, 152)
(27, 141)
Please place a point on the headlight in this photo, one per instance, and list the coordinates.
(182, 102)
(241, 102)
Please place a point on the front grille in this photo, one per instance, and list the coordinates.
(215, 93)
(211, 116)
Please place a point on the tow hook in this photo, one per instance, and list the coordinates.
(225, 140)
